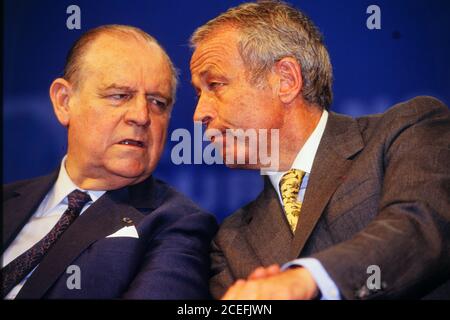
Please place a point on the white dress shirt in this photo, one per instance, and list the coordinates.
(304, 161)
(305, 157)
(44, 219)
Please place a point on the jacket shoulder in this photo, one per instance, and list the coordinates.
(9, 189)
(414, 109)
(417, 108)
(403, 115)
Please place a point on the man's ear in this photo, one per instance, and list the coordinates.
(60, 91)
(290, 79)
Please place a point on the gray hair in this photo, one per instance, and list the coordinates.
(73, 66)
(270, 31)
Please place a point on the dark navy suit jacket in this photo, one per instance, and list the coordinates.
(169, 260)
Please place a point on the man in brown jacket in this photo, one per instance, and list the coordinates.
(359, 208)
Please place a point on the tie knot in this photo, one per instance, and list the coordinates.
(77, 199)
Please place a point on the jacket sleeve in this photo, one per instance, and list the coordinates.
(222, 278)
(409, 240)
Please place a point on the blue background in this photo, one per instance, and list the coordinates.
(373, 70)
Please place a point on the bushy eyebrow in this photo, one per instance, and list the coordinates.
(208, 71)
(155, 94)
(118, 87)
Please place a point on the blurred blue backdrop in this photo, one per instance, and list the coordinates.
(373, 70)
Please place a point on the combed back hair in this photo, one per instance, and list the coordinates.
(74, 61)
(270, 31)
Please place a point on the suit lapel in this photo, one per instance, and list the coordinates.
(26, 199)
(268, 231)
(340, 141)
(101, 219)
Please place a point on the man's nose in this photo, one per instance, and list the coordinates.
(204, 111)
(138, 112)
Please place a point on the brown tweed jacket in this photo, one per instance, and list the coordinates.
(378, 194)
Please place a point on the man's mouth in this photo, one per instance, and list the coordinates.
(134, 143)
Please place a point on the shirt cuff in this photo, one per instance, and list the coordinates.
(326, 286)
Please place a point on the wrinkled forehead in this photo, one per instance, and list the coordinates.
(218, 49)
(127, 60)
(217, 56)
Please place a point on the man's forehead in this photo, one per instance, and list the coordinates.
(127, 63)
(217, 49)
(111, 45)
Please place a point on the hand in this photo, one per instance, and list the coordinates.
(272, 284)
(261, 272)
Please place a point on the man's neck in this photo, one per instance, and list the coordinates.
(300, 123)
(97, 180)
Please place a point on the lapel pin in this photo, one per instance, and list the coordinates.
(127, 220)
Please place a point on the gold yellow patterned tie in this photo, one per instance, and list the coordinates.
(289, 187)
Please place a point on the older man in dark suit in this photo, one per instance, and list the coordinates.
(358, 208)
(101, 226)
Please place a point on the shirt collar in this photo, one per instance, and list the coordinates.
(305, 157)
(61, 189)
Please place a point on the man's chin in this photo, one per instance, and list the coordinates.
(245, 166)
(134, 174)
(242, 160)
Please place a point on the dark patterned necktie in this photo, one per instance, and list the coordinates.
(17, 269)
